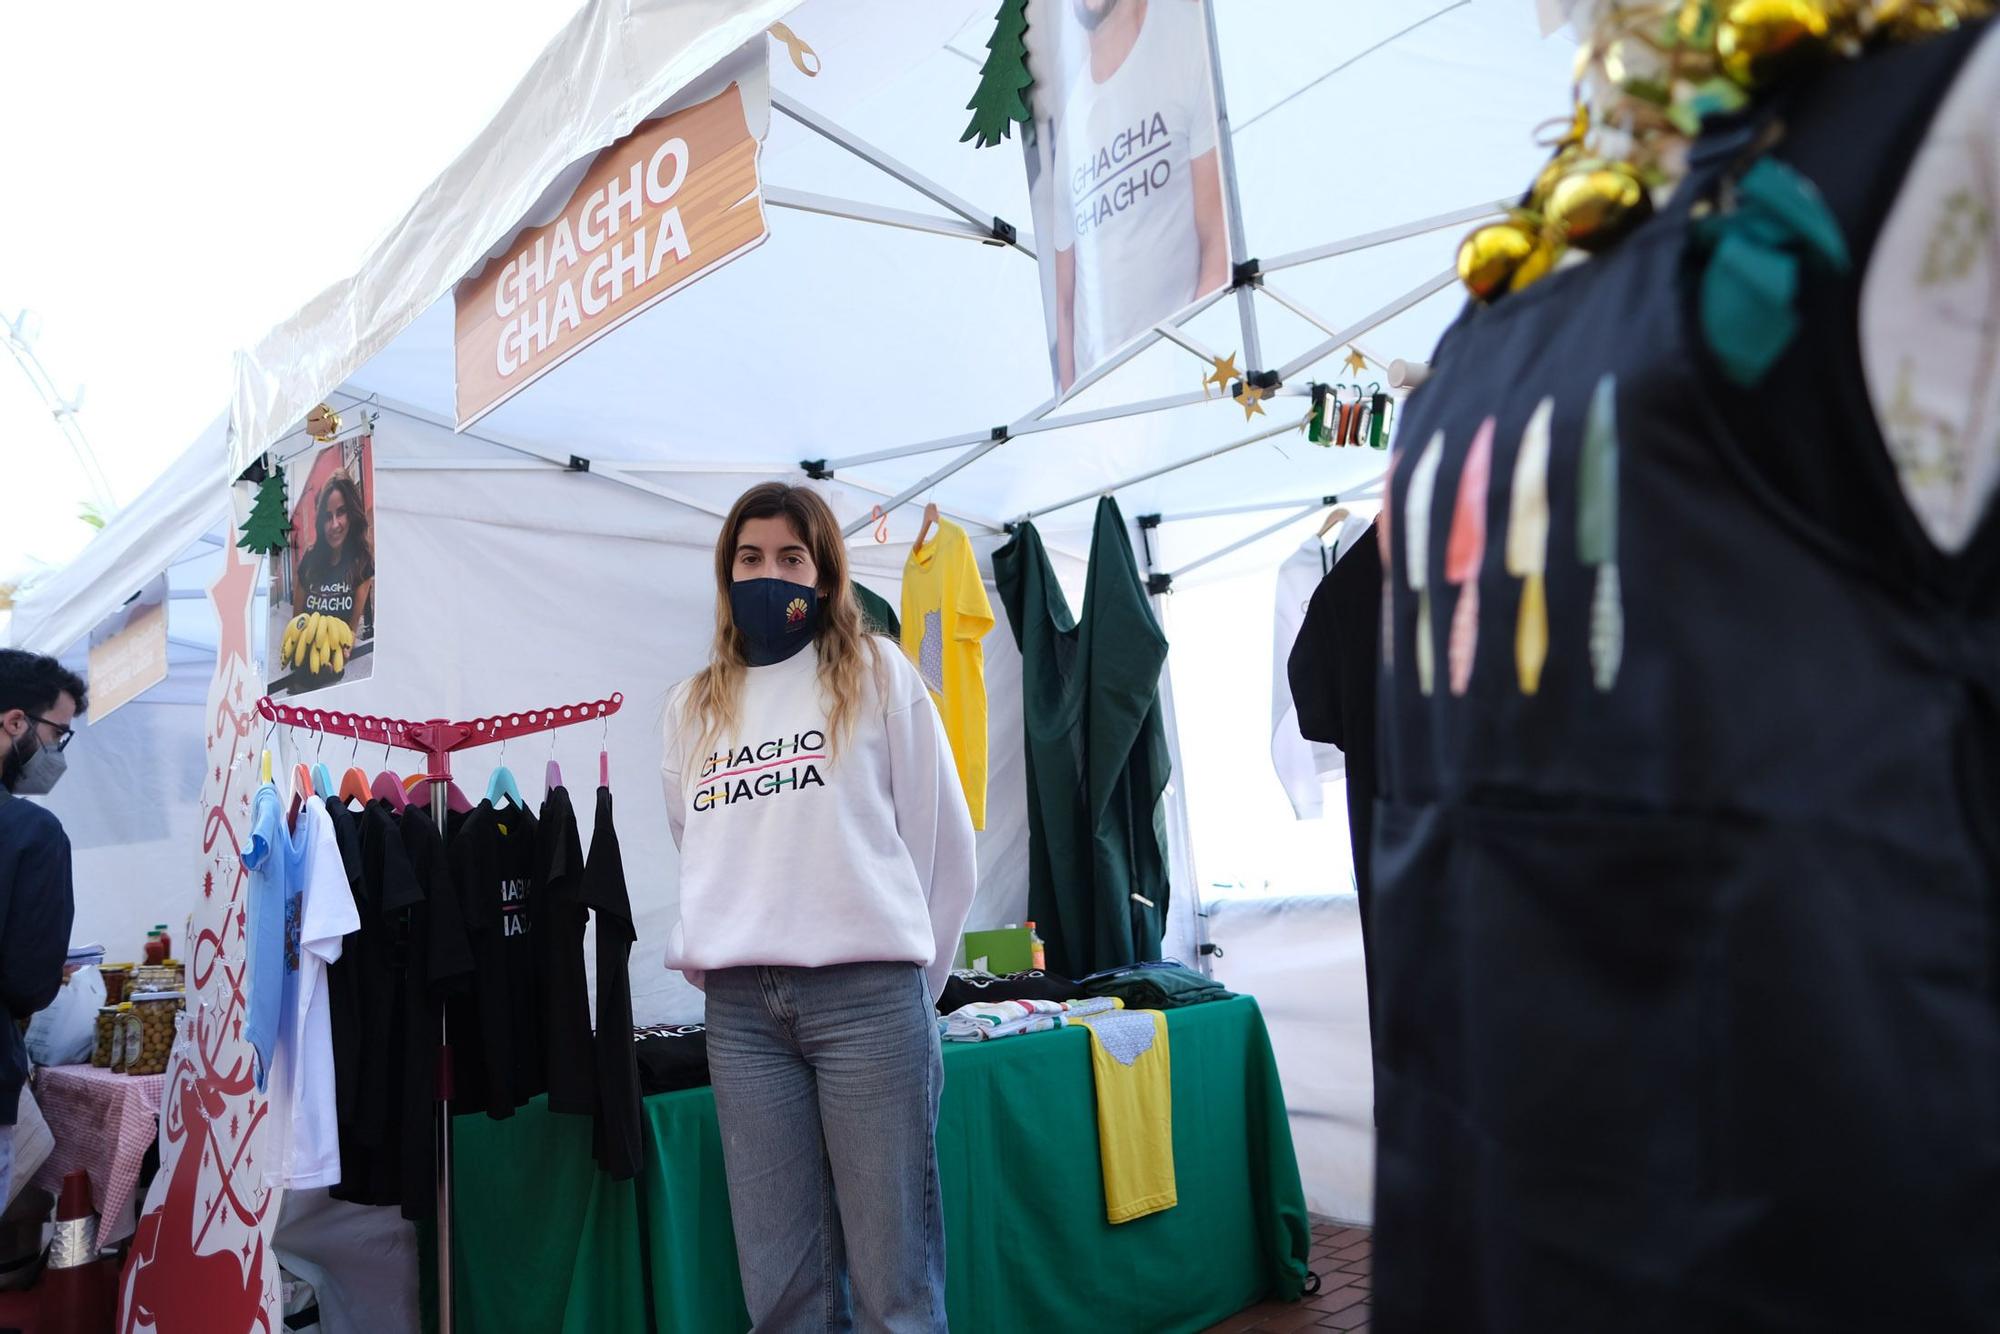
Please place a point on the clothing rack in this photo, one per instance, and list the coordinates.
(437, 738)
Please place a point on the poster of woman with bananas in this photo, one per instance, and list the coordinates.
(323, 590)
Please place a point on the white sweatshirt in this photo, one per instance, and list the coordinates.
(795, 852)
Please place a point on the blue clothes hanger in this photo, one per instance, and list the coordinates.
(502, 783)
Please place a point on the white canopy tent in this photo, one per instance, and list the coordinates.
(872, 320)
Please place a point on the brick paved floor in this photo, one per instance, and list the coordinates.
(1340, 1258)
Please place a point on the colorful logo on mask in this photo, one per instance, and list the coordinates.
(795, 612)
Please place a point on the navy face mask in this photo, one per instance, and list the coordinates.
(777, 617)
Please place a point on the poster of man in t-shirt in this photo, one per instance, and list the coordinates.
(1123, 173)
(323, 586)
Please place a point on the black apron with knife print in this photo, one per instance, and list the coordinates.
(1684, 916)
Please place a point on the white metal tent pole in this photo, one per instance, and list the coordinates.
(1370, 321)
(1240, 543)
(1365, 491)
(804, 201)
(1025, 426)
(903, 497)
(1318, 321)
(998, 229)
(1150, 474)
(608, 472)
(1246, 309)
(1402, 232)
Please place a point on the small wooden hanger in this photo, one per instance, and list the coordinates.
(924, 528)
(1334, 518)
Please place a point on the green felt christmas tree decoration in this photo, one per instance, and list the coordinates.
(1004, 80)
(269, 527)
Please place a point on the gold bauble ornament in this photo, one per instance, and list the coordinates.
(1537, 265)
(1596, 202)
(1758, 39)
(1489, 258)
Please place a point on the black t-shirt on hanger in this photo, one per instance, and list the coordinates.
(498, 1047)
(572, 1067)
(437, 963)
(616, 1139)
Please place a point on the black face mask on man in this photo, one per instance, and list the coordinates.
(31, 769)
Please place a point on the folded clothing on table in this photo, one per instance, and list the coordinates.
(672, 1057)
(982, 1021)
(1165, 985)
(965, 988)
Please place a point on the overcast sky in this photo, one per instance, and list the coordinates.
(179, 178)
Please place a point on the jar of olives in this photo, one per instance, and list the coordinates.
(156, 1011)
(107, 1028)
(124, 1037)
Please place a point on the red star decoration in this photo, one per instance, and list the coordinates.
(246, 1252)
(208, 884)
(231, 594)
(239, 1033)
(236, 997)
(242, 921)
(235, 1125)
(218, 773)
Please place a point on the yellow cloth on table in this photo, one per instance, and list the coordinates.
(945, 617)
(1133, 1070)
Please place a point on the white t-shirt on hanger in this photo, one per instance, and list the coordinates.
(302, 1076)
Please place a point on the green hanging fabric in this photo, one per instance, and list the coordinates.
(1753, 250)
(877, 616)
(1095, 750)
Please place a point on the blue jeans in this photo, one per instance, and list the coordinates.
(826, 1087)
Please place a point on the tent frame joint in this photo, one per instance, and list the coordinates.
(1004, 233)
(1246, 273)
(816, 469)
(1158, 583)
(577, 463)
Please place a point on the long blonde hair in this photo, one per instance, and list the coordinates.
(845, 652)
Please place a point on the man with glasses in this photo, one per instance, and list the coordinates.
(39, 698)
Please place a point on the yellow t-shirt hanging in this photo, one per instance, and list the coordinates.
(945, 618)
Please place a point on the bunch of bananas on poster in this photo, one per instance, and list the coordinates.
(317, 643)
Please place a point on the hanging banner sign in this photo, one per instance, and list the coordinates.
(128, 655)
(671, 201)
(1124, 172)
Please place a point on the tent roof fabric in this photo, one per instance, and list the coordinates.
(610, 66)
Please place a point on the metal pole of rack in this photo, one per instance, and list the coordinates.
(440, 809)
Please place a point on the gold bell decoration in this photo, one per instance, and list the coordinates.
(1596, 203)
(1759, 39)
(322, 423)
(1489, 259)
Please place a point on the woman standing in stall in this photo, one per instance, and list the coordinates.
(826, 871)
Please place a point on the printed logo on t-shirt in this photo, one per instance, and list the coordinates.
(768, 769)
(333, 598)
(930, 653)
(1124, 170)
(514, 908)
(294, 930)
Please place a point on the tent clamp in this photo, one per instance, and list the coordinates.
(1266, 379)
(1247, 273)
(256, 472)
(1158, 583)
(816, 469)
(577, 463)
(1003, 233)
(1001, 433)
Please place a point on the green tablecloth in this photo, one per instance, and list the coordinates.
(545, 1242)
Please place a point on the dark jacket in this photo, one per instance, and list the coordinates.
(36, 906)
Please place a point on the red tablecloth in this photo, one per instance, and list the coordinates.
(102, 1123)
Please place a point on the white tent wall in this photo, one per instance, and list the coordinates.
(130, 805)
